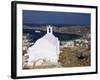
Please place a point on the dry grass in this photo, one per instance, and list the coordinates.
(74, 57)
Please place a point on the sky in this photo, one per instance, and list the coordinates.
(55, 18)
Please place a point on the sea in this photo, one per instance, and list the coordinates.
(36, 34)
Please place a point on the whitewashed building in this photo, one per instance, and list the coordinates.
(46, 48)
(69, 44)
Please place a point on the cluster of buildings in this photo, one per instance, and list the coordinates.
(26, 43)
(84, 43)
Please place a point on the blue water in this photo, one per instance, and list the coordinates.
(61, 36)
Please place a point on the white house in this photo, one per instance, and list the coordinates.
(46, 48)
(69, 44)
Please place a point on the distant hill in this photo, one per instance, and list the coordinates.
(57, 25)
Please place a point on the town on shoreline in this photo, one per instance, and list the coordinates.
(73, 53)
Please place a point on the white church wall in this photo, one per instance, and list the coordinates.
(46, 48)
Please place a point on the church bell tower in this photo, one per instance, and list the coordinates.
(49, 29)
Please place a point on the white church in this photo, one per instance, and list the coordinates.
(46, 47)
